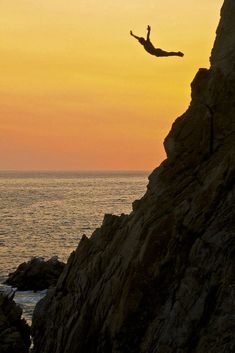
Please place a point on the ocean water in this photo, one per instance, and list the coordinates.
(46, 214)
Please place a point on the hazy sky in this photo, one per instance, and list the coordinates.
(77, 92)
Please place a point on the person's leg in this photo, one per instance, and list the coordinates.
(172, 53)
(163, 53)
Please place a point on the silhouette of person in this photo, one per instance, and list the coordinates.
(148, 46)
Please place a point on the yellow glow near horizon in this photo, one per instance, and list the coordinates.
(77, 92)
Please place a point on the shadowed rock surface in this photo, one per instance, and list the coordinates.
(14, 332)
(36, 274)
(161, 280)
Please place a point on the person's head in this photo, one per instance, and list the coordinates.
(142, 40)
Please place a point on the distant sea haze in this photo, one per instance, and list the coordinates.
(46, 213)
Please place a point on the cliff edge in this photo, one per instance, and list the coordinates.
(161, 280)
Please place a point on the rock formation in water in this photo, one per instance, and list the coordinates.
(162, 279)
(36, 274)
(14, 332)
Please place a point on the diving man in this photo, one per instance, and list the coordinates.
(148, 46)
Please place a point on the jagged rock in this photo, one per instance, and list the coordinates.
(36, 274)
(161, 280)
(14, 332)
(223, 53)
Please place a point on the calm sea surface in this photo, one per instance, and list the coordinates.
(45, 214)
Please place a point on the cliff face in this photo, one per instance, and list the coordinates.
(161, 280)
(223, 53)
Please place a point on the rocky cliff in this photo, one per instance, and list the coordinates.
(36, 274)
(162, 279)
(14, 331)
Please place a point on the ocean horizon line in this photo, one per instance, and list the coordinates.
(74, 171)
(70, 173)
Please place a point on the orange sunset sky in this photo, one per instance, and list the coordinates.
(77, 92)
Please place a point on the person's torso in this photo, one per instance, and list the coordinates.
(148, 46)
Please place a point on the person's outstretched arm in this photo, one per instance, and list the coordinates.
(136, 37)
(148, 33)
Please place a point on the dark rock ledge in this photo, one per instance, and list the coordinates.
(36, 274)
(14, 331)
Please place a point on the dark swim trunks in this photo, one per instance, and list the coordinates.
(160, 52)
